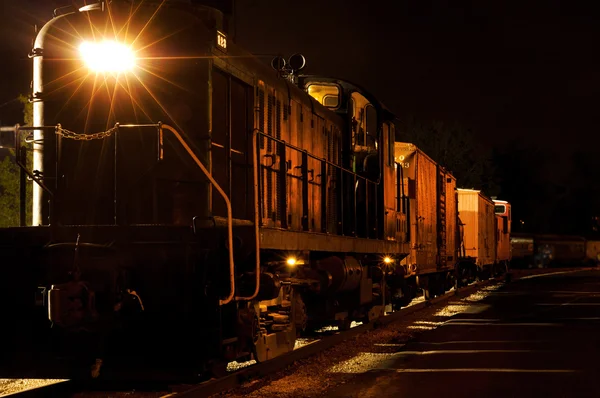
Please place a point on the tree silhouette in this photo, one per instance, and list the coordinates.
(454, 147)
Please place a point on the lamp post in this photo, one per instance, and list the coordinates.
(38, 102)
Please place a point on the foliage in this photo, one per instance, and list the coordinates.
(455, 148)
(9, 192)
(9, 180)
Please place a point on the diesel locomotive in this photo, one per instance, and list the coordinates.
(193, 206)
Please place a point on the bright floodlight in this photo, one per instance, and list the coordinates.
(107, 56)
(388, 260)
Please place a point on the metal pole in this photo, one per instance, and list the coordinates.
(38, 105)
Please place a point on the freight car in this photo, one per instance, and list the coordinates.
(522, 248)
(431, 193)
(476, 214)
(559, 250)
(188, 199)
(592, 252)
(541, 251)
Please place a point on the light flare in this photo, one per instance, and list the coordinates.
(291, 261)
(107, 56)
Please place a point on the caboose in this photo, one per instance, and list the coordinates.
(189, 201)
(503, 227)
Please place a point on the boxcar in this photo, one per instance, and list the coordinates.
(432, 200)
(476, 214)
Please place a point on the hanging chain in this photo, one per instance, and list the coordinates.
(85, 137)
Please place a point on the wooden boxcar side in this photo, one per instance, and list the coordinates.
(476, 212)
(432, 203)
(451, 211)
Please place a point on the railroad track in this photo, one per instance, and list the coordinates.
(258, 370)
(69, 388)
(61, 388)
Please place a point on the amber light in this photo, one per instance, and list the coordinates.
(291, 261)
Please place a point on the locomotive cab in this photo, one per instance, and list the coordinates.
(367, 149)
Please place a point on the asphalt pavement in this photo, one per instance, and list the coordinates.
(535, 337)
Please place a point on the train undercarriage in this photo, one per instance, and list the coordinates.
(129, 302)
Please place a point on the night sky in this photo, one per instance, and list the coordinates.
(522, 74)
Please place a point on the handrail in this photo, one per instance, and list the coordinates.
(337, 166)
(208, 175)
(227, 203)
(363, 200)
(256, 222)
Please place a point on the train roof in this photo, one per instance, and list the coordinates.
(478, 192)
(250, 63)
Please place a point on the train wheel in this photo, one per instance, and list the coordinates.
(463, 275)
(450, 281)
(425, 283)
(442, 284)
(345, 324)
(427, 293)
(436, 286)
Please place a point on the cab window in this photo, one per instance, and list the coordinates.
(327, 94)
(364, 123)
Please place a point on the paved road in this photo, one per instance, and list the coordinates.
(535, 337)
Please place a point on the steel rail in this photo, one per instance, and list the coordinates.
(273, 365)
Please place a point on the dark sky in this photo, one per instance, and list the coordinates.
(522, 70)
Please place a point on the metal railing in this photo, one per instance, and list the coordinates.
(356, 196)
(160, 128)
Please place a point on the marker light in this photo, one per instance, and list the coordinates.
(388, 260)
(107, 56)
(291, 261)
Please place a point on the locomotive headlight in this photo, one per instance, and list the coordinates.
(388, 260)
(291, 261)
(107, 56)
